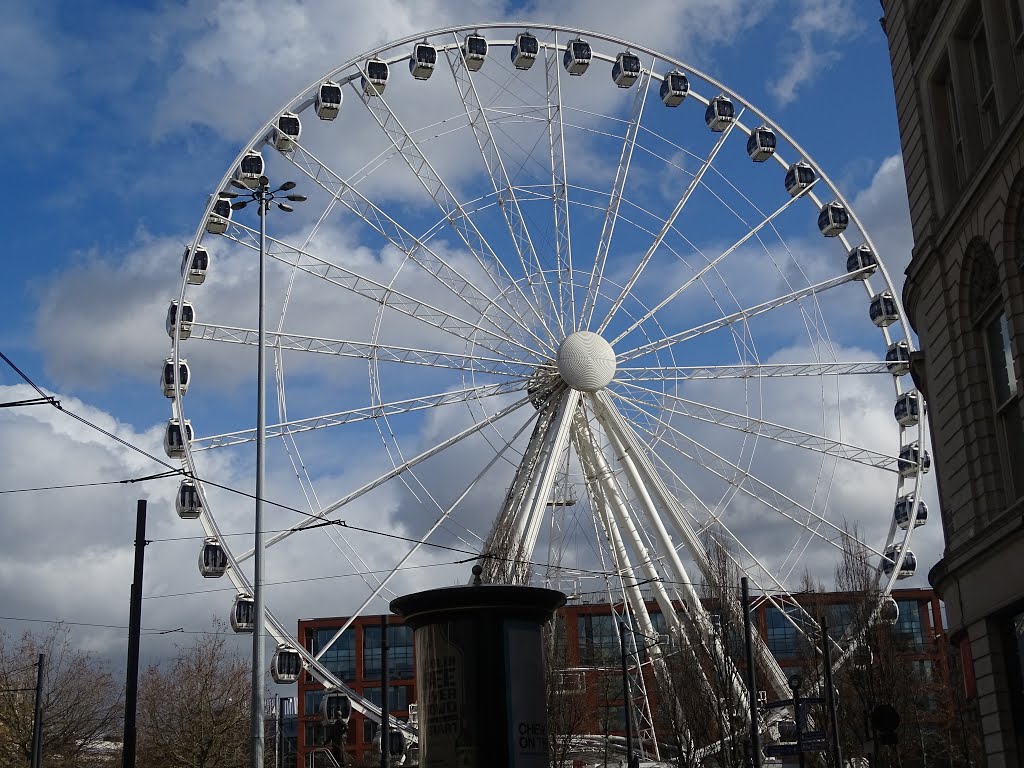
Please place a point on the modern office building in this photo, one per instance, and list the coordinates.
(586, 673)
(958, 72)
(355, 657)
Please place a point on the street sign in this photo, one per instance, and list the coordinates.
(789, 702)
(780, 750)
(813, 745)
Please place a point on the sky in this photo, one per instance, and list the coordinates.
(125, 118)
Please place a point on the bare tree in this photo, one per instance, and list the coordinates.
(194, 711)
(890, 667)
(700, 703)
(81, 704)
(567, 709)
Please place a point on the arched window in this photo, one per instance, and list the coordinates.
(988, 315)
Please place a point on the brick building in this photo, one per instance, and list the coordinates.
(958, 72)
(589, 665)
(355, 657)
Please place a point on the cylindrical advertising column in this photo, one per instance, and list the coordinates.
(480, 674)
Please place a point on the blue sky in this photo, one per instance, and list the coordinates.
(122, 119)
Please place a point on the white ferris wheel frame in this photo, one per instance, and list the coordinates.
(654, 494)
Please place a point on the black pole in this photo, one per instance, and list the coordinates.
(625, 696)
(799, 727)
(755, 736)
(37, 723)
(826, 653)
(131, 694)
(384, 713)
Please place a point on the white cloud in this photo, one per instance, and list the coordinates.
(68, 555)
(885, 212)
(813, 44)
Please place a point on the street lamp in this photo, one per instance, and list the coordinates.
(266, 197)
(632, 761)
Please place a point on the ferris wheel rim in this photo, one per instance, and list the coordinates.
(260, 138)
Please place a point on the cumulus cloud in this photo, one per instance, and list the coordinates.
(885, 211)
(68, 554)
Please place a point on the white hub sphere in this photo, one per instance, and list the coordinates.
(586, 362)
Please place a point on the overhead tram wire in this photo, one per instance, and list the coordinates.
(175, 471)
(128, 481)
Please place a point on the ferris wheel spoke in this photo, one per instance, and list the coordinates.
(452, 210)
(756, 371)
(379, 293)
(459, 285)
(394, 408)
(742, 315)
(615, 197)
(559, 176)
(710, 414)
(387, 353)
(533, 270)
(666, 227)
(320, 515)
(712, 264)
(748, 483)
(425, 538)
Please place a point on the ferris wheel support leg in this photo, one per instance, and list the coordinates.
(567, 408)
(701, 629)
(610, 502)
(668, 502)
(500, 544)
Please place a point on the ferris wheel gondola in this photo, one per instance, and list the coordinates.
(525, 51)
(422, 61)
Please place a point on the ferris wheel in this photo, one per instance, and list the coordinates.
(557, 300)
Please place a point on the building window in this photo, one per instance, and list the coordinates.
(782, 635)
(952, 163)
(981, 63)
(1005, 395)
(340, 658)
(312, 703)
(1015, 668)
(400, 653)
(908, 626)
(598, 639)
(993, 326)
(398, 697)
(1017, 23)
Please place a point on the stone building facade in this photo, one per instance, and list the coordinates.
(958, 72)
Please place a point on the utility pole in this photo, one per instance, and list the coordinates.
(755, 736)
(37, 723)
(134, 636)
(263, 196)
(626, 704)
(826, 654)
(279, 762)
(385, 733)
